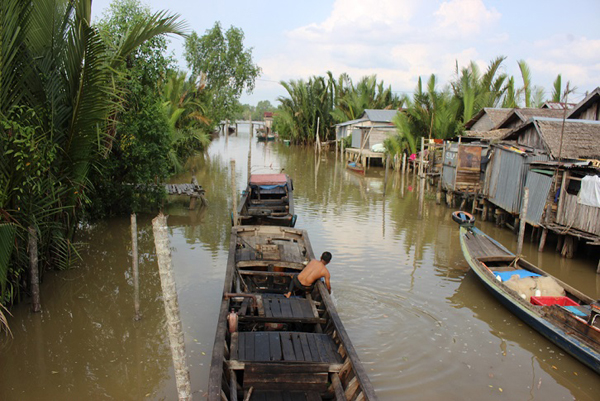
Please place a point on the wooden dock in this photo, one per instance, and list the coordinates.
(193, 190)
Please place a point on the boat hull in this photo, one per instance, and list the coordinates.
(270, 345)
(588, 352)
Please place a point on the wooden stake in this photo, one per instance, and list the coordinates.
(171, 304)
(387, 167)
(135, 267)
(36, 305)
(233, 192)
(421, 181)
(523, 223)
(403, 163)
(318, 138)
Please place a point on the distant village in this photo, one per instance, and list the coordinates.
(552, 151)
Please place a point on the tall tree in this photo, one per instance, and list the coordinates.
(227, 65)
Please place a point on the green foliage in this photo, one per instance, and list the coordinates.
(227, 65)
(57, 89)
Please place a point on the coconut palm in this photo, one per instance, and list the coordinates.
(57, 91)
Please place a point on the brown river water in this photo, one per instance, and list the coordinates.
(422, 324)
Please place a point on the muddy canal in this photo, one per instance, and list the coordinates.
(422, 324)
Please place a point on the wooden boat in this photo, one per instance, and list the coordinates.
(355, 167)
(268, 200)
(269, 347)
(558, 311)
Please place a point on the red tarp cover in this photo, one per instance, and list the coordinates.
(268, 179)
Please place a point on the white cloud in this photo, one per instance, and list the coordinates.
(465, 17)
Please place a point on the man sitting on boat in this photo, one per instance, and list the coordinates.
(315, 270)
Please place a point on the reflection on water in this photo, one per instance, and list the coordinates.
(421, 323)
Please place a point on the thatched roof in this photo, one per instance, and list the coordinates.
(585, 103)
(488, 136)
(526, 114)
(580, 140)
(558, 105)
(495, 115)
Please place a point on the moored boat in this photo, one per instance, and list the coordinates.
(556, 310)
(355, 167)
(268, 346)
(267, 200)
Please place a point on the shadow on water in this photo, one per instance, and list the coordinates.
(421, 323)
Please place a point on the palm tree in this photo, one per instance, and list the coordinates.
(57, 88)
(476, 91)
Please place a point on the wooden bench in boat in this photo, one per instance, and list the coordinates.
(279, 309)
(285, 347)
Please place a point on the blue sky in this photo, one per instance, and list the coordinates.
(400, 40)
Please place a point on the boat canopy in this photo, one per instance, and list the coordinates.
(268, 179)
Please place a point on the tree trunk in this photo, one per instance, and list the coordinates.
(175, 330)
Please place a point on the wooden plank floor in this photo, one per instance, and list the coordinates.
(285, 396)
(285, 347)
(480, 246)
(278, 306)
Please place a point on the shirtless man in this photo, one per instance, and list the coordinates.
(316, 269)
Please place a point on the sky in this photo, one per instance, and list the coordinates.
(401, 40)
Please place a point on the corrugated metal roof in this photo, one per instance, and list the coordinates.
(360, 120)
(380, 116)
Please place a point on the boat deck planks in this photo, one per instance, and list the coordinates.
(285, 346)
(285, 396)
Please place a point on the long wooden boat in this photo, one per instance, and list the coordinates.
(558, 311)
(355, 167)
(267, 200)
(269, 347)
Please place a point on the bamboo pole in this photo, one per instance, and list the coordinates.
(171, 304)
(403, 163)
(522, 221)
(233, 192)
(135, 267)
(36, 305)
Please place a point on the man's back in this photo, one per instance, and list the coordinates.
(312, 272)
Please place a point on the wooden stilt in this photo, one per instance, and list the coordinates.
(560, 242)
(568, 248)
(543, 240)
(524, 205)
(387, 167)
(421, 180)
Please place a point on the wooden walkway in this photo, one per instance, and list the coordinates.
(193, 190)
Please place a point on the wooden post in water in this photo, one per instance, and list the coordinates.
(421, 180)
(135, 267)
(169, 290)
(233, 192)
(34, 273)
(251, 128)
(317, 136)
(403, 163)
(522, 221)
(387, 167)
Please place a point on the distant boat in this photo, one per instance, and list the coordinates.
(355, 167)
(269, 347)
(556, 310)
(268, 200)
